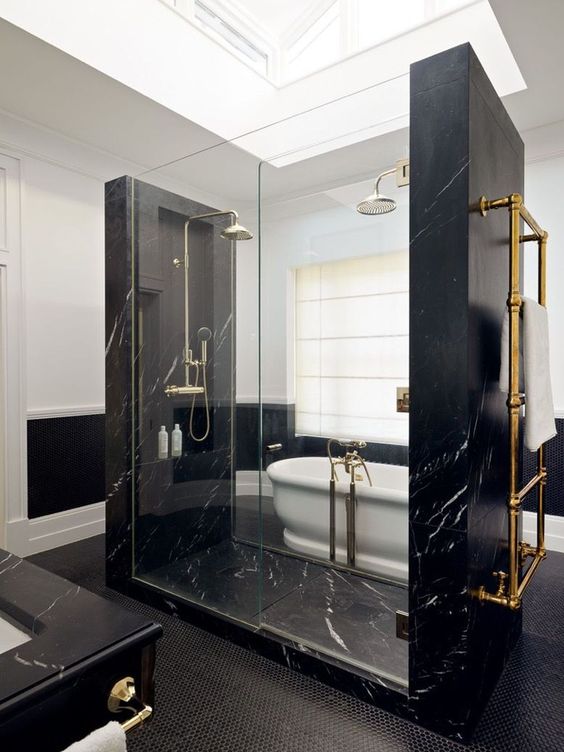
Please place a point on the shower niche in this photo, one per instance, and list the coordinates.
(326, 504)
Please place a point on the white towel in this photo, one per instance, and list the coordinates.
(539, 424)
(109, 738)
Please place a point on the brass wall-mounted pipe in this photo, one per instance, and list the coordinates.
(510, 590)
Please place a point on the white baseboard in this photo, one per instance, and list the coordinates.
(65, 412)
(25, 537)
(554, 530)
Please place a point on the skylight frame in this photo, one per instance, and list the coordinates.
(240, 24)
(234, 18)
(228, 32)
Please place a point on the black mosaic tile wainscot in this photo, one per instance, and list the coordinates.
(555, 467)
(65, 463)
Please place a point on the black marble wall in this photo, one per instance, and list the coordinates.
(463, 145)
(65, 463)
(178, 505)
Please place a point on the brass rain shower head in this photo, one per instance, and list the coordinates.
(377, 203)
(235, 231)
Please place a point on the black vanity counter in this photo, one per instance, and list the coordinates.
(79, 645)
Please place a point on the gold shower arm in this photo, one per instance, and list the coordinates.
(510, 588)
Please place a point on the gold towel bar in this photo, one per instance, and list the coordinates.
(510, 591)
(123, 697)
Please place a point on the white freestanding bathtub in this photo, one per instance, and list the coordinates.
(301, 500)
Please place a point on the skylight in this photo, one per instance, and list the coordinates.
(326, 50)
(308, 36)
(231, 36)
(318, 45)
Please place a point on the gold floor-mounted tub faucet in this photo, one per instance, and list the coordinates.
(352, 462)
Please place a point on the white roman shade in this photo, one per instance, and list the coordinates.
(352, 347)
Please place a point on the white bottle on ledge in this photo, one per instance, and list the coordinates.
(176, 441)
(163, 443)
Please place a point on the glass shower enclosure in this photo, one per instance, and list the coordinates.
(270, 384)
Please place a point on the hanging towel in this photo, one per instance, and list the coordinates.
(539, 424)
(109, 738)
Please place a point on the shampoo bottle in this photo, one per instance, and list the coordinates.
(163, 443)
(176, 441)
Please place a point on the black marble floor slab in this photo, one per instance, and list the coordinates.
(250, 527)
(349, 617)
(230, 578)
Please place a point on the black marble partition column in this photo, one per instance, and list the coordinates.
(463, 145)
(160, 510)
(119, 456)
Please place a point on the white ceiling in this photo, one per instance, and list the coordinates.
(534, 33)
(50, 88)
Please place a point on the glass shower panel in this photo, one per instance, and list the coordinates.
(188, 243)
(334, 291)
(262, 346)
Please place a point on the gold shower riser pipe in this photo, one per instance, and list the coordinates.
(510, 590)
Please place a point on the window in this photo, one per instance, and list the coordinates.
(351, 347)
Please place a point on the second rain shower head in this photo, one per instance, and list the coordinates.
(376, 203)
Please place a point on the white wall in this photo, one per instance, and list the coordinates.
(63, 227)
(544, 192)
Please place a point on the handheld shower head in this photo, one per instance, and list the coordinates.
(204, 335)
(352, 443)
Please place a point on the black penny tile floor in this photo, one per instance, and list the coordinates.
(213, 696)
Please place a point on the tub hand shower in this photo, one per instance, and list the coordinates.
(351, 461)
